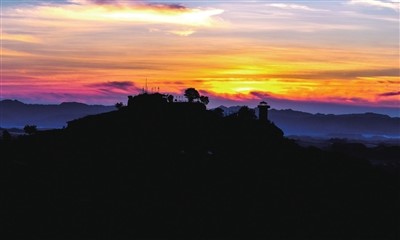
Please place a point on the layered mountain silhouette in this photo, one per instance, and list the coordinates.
(300, 123)
(18, 114)
(329, 125)
(157, 169)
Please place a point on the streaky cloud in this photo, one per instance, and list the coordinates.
(391, 4)
(122, 12)
(19, 38)
(124, 85)
(342, 74)
(134, 3)
(389, 94)
(183, 33)
(294, 7)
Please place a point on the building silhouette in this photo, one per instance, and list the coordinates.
(263, 111)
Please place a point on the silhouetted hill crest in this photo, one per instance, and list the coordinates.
(12, 102)
(179, 171)
(17, 114)
(73, 104)
(152, 112)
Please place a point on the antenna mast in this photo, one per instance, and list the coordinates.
(146, 90)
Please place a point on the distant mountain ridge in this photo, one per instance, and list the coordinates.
(14, 113)
(301, 123)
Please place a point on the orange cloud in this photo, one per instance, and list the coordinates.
(84, 44)
(123, 11)
(20, 38)
(389, 94)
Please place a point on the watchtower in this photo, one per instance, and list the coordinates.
(263, 111)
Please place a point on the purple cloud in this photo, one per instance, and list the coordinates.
(122, 85)
(260, 95)
(160, 6)
(103, 1)
(389, 94)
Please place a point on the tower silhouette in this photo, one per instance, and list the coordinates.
(263, 111)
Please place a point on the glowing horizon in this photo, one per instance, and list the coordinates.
(346, 52)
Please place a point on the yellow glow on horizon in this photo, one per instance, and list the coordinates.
(244, 70)
(243, 86)
(84, 44)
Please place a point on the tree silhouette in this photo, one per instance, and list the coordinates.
(30, 129)
(170, 98)
(119, 105)
(6, 136)
(191, 94)
(204, 100)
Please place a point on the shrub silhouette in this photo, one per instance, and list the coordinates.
(170, 98)
(6, 136)
(119, 105)
(204, 100)
(30, 129)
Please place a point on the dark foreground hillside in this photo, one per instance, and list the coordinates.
(174, 170)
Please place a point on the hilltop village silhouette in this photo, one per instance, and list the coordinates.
(193, 99)
(159, 168)
(160, 107)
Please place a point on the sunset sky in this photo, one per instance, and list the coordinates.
(298, 53)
